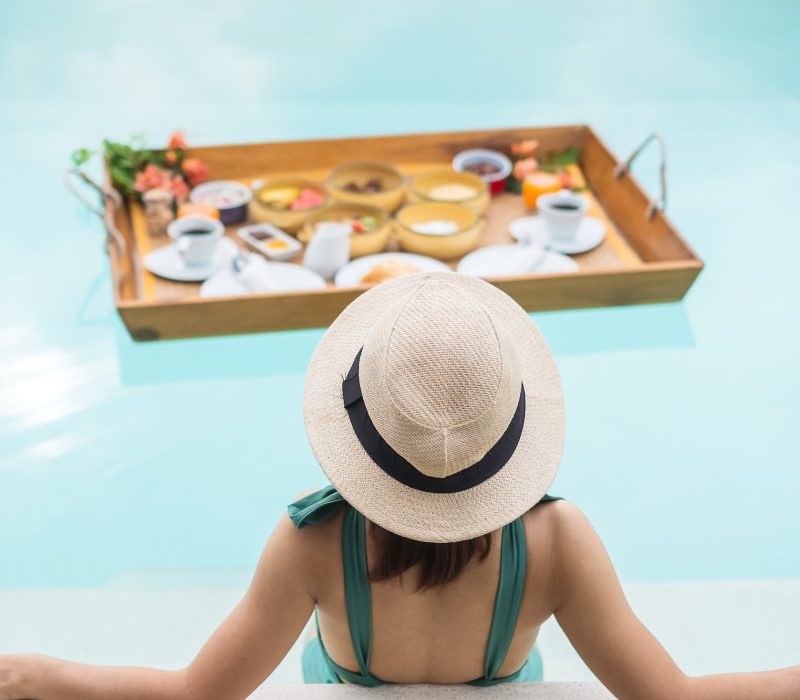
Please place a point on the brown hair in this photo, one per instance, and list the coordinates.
(439, 562)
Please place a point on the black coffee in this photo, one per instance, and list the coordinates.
(565, 206)
(196, 232)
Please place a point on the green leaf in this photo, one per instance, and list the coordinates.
(81, 155)
(513, 185)
(557, 161)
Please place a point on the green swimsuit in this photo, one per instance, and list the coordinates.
(318, 667)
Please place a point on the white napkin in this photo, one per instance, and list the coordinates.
(255, 275)
(523, 260)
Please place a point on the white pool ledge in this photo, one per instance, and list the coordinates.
(530, 691)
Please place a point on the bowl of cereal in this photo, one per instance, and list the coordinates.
(376, 184)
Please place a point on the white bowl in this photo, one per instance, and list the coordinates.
(228, 197)
(480, 155)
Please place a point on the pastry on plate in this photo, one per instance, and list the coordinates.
(389, 269)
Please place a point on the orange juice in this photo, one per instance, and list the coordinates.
(539, 183)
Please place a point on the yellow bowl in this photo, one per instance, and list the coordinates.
(422, 188)
(389, 198)
(287, 219)
(441, 246)
(360, 243)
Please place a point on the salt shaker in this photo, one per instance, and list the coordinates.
(157, 210)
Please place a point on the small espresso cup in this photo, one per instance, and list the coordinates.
(562, 213)
(196, 238)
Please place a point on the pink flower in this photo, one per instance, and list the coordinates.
(524, 148)
(195, 170)
(523, 168)
(177, 139)
(179, 188)
(152, 176)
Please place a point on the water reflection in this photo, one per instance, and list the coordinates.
(582, 332)
(42, 386)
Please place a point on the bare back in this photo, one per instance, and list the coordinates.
(438, 635)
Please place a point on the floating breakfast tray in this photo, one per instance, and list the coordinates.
(642, 260)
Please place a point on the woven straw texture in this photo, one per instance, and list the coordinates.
(442, 362)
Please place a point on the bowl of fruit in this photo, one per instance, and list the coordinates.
(287, 202)
(370, 228)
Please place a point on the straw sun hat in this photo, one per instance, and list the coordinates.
(434, 406)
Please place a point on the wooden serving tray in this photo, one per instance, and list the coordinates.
(642, 260)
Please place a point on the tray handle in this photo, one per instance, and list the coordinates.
(111, 200)
(659, 203)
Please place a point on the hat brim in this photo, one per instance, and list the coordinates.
(415, 514)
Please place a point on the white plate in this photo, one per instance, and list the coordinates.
(485, 262)
(531, 229)
(167, 262)
(350, 275)
(287, 277)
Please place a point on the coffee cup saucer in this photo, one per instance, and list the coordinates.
(167, 262)
(531, 229)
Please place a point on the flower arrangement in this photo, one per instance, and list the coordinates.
(135, 168)
(526, 162)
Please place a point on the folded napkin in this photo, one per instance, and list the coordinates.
(255, 274)
(521, 260)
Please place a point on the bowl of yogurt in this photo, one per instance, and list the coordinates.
(450, 186)
(441, 230)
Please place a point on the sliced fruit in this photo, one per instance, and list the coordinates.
(279, 196)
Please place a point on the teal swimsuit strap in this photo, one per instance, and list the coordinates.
(316, 507)
(356, 587)
(358, 601)
(508, 600)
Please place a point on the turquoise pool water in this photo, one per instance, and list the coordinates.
(169, 463)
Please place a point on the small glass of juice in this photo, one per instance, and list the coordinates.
(537, 184)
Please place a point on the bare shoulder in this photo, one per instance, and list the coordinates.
(554, 518)
(558, 534)
(308, 548)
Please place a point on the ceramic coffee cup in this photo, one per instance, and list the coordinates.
(562, 213)
(196, 238)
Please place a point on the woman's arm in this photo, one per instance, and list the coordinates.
(41, 678)
(617, 647)
(240, 654)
